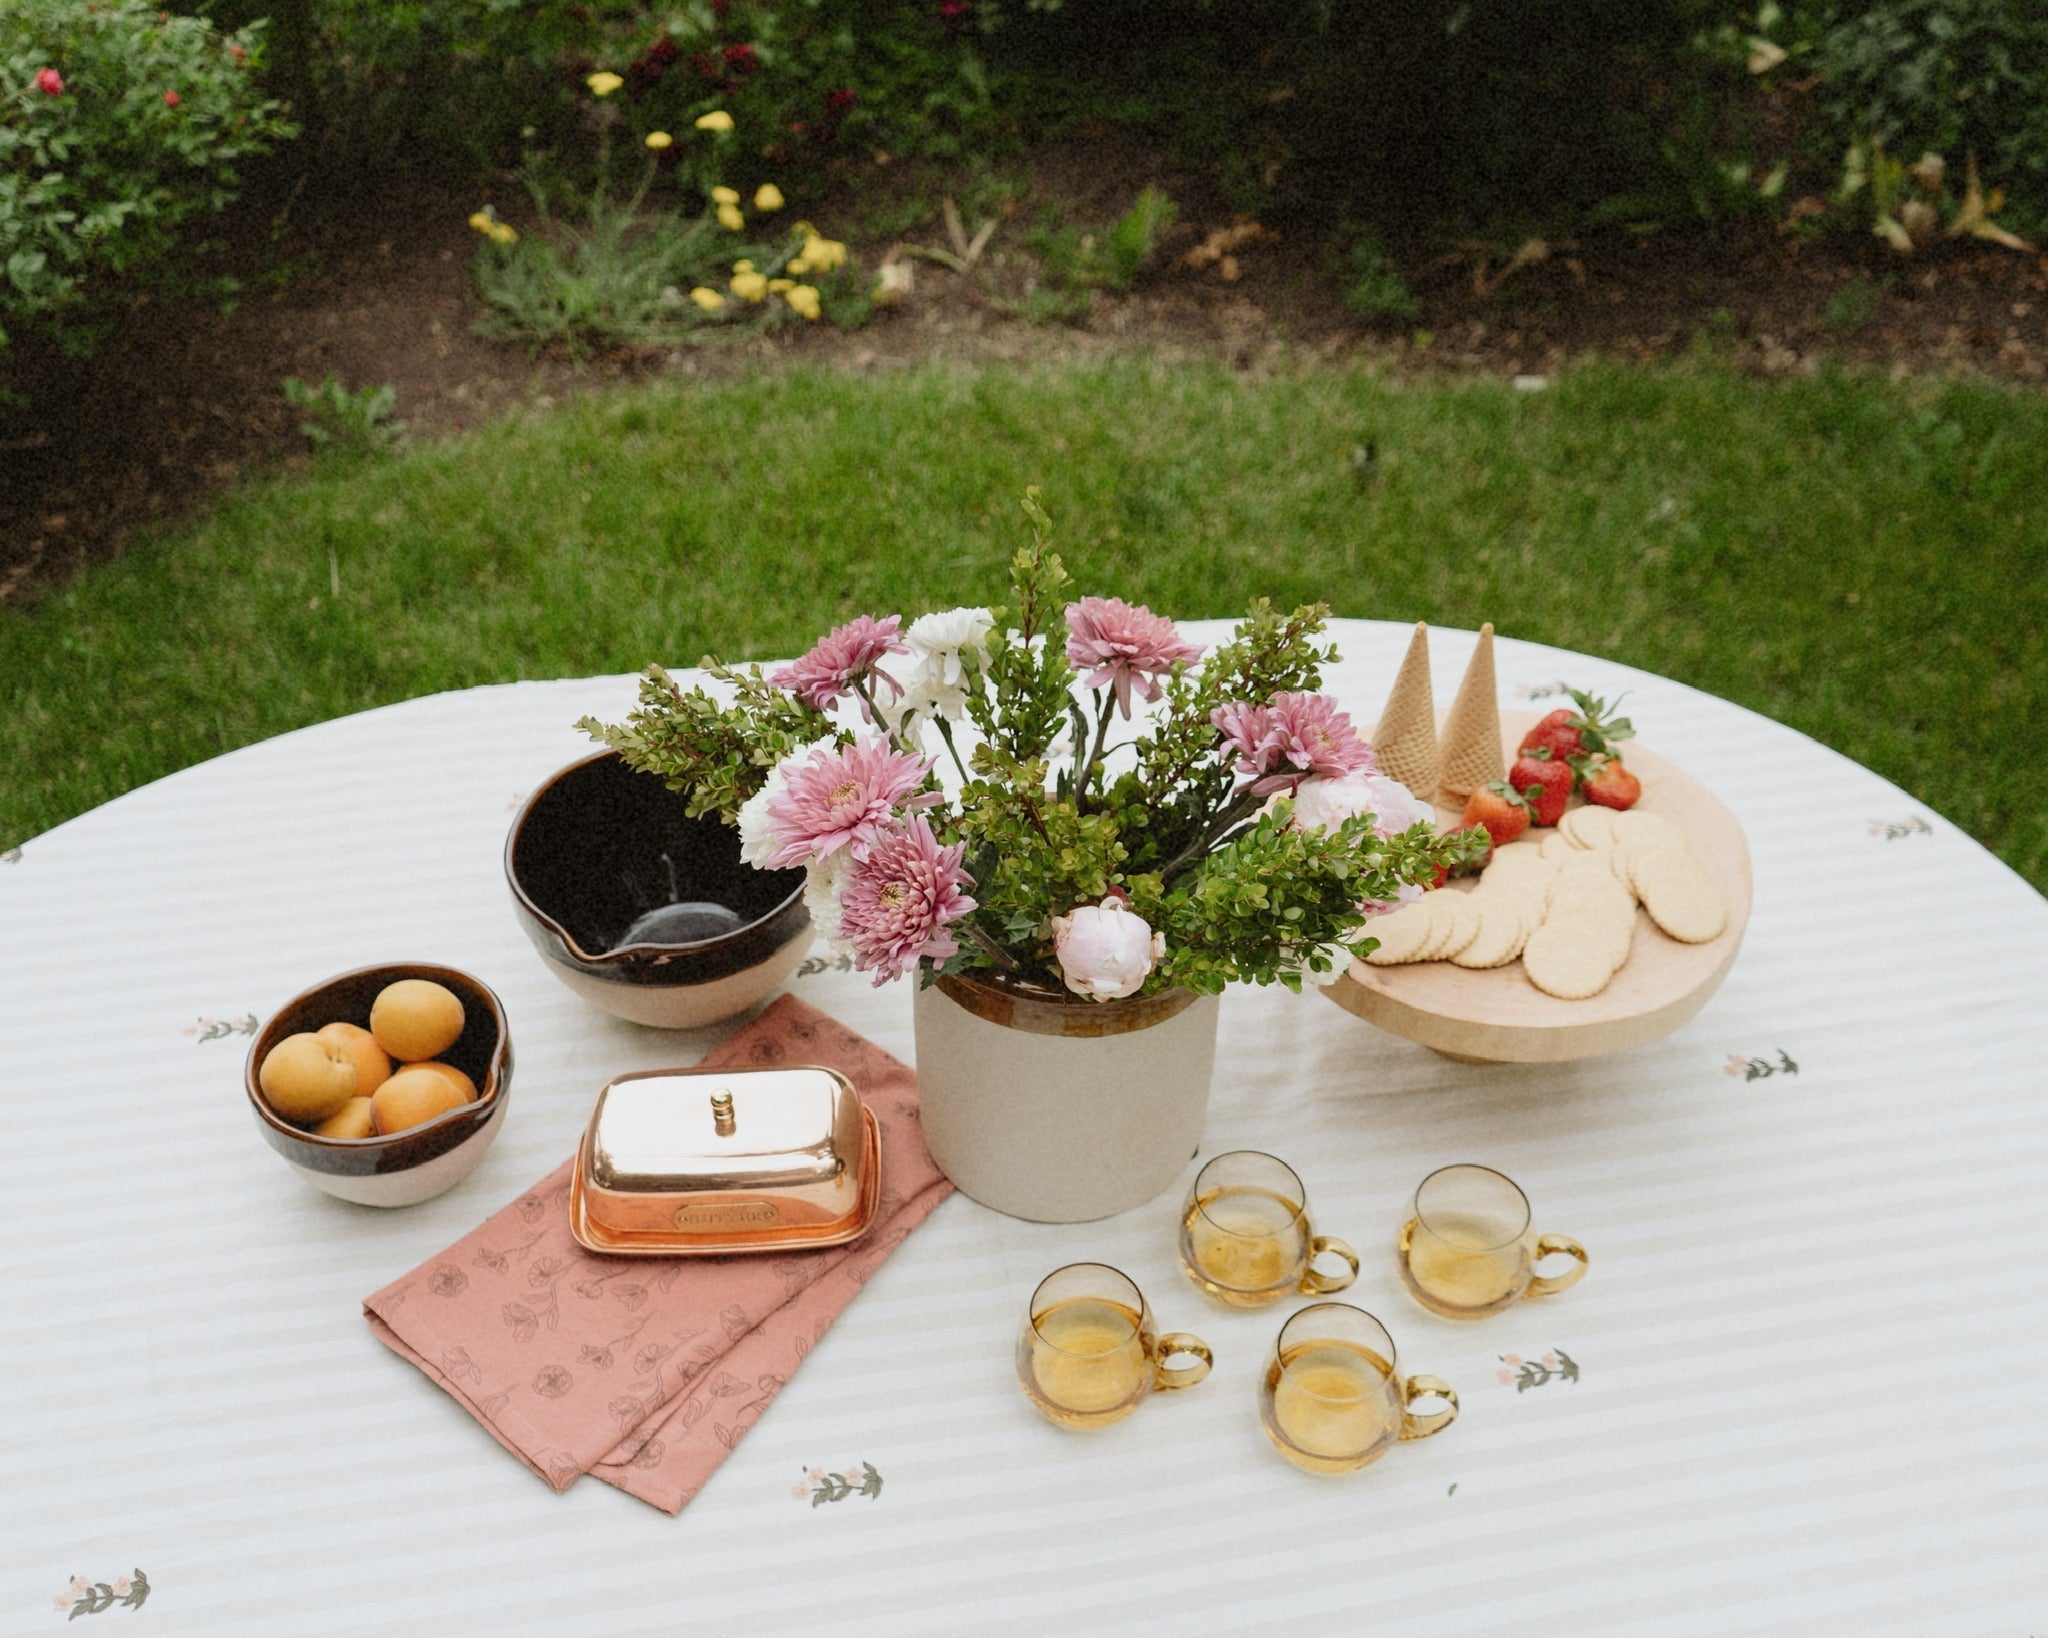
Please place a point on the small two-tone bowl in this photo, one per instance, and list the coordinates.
(641, 909)
(421, 1161)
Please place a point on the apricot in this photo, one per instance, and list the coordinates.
(460, 1081)
(307, 1079)
(413, 1095)
(415, 1018)
(372, 1067)
(352, 1121)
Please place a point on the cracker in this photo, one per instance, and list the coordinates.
(1466, 914)
(1523, 851)
(1442, 922)
(1589, 827)
(1402, 934)
(1634, 825)
(1503, 927)
(1567, 961)
(1557, 847)
(1681, 899)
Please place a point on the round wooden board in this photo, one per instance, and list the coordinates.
(1498, 1016)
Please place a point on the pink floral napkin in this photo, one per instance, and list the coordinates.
(647, 1372)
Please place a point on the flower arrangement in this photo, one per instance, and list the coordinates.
(1068, 794)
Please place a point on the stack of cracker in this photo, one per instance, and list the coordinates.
(1566, 906)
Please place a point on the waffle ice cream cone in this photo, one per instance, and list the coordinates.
(1404, 741)
(1471, 753)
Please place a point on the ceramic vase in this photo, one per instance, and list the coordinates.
(1057, 1109)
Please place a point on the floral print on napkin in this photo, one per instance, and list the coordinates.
(648, 1373)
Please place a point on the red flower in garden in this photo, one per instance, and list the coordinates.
(954, 11)
(238, 53)
(703, 67)
(50, 82)
(742, 59)
(837, 102)
(170, 99)
(663, 51)
(719, 8)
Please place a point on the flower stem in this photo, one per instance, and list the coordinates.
(946, 733)
(1242, 808)
(988, 946)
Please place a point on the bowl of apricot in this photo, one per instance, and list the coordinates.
(385, 1085)
(644, 910)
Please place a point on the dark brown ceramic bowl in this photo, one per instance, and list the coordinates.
(641, 909)
(420, 1162)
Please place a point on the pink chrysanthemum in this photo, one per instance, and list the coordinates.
(1126, 647)
(1292, 738)
(841, 798)
(901, 898)
(845, 655)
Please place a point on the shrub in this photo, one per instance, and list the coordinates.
(1953, 77)
(124, 126)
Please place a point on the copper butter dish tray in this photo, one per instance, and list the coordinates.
(708, 1162)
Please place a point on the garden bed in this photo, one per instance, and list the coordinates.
(184, 401)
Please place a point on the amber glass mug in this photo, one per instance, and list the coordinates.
(1089, 1351)
(1333, 1399)
(1466, 1250)
(1245, 1237)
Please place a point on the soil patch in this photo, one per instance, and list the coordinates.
(183, 401)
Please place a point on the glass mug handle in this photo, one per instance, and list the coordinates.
(1167, 1377)
(1424, 1387)
(1544, 1285)
(1321, 1285)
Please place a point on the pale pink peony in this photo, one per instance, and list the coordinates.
(1106, 951)
(1292, 738)
(1124, 646)
(839, 798)
(844, 656)
(900, 898)
(1324, 804)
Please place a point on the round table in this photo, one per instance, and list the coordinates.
(1804, 1387)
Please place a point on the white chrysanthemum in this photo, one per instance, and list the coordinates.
(937, 679)
(758, 842)
(824, 881)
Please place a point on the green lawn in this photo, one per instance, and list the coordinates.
(1867, 562)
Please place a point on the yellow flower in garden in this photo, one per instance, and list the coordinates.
(481, 221)
(780, 285)
(603, 83)
(804, 299)
(658, 140)
(743, 266)
(823, 254)
(799, 266)
(504, 233)
(717, 120)
(768, 197)
(709, 300)
(750, 286)
(724, 196)
(730, 219)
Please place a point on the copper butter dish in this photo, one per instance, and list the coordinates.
(703, 1162)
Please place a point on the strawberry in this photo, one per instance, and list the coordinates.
(1546, 783)
(1570, 735)
(1474, 852)
(1557, 733)
(1501, 809)
(1611, 785)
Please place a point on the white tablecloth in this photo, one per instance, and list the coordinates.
(1810, 1391)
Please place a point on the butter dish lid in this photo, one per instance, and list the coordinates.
(697, 1162)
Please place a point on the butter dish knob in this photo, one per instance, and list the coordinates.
(721, 1113)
